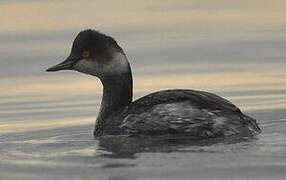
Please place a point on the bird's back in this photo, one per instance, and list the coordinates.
(187, 112)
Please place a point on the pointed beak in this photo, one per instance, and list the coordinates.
(65, 65)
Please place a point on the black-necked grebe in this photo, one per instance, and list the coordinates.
(193, 113)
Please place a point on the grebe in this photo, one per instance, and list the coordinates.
(191, 113)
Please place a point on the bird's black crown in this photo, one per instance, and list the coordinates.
(94, 42)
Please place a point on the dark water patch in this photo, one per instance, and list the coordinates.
(266, 115)
(253, 92)
(214, 52)
(36, 36)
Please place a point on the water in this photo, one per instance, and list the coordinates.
(235, 49)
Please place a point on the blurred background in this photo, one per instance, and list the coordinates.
(235, 49)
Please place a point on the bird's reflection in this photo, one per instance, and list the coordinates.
(128, 147)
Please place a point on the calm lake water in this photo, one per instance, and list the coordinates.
(235, 49)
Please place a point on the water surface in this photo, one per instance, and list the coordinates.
(234, 49)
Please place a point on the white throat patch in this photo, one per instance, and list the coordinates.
(117, 65)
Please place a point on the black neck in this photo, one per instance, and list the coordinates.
(117, 93)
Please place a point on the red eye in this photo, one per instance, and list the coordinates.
(85, 54)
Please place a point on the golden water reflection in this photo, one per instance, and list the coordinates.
(60, 84)
(52, 91)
